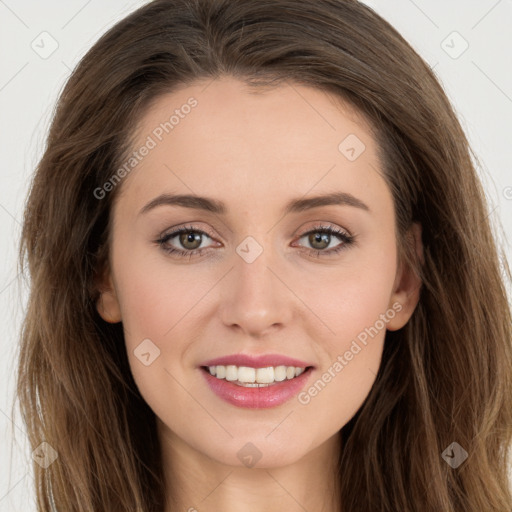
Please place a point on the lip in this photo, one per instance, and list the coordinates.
(257, 398)
(255, 361)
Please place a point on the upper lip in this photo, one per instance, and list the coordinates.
(256, 361)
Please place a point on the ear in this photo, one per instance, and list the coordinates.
(107, 304)
(406, 289)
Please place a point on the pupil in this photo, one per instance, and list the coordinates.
(190, 238)
(321, 237)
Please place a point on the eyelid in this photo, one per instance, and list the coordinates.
(188, 227)
(323, 226)
(346, 241)
(299, 233)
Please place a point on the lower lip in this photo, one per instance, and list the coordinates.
(256, 398)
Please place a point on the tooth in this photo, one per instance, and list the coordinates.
(265, 375)
(279, 373)
(253, 385)
(231, 372)
(249, 375)
(246, 374)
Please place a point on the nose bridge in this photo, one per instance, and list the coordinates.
(256, 298)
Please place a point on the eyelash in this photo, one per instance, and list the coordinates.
(347, 240)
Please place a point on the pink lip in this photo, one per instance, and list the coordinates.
(256, 361)
(257, 398)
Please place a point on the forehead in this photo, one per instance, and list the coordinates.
(253, 147)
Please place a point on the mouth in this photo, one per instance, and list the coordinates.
(256, 388)
(249, 377)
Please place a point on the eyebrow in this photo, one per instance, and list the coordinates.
(218, 207)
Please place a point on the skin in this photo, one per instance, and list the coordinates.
(255, 152)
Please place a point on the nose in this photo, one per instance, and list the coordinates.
(256, 298)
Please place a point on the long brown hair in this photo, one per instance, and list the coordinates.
(445, 377)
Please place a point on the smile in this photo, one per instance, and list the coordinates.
(256, 388)
(247, 376)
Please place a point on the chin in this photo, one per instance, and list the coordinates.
(257, 453)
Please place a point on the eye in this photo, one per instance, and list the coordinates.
(187, 237)
(320, 238)
(191, 240)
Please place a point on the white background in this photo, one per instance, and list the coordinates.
(479, 83)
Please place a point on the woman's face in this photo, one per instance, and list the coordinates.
(270, 281)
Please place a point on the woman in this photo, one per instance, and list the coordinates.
(337, 335)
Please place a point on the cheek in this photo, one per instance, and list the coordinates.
(354, 307)
(351, 297)
(171, 305)
(154, 299)
(157, 305)
(156, 295)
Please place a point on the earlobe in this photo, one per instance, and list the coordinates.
(406, 294)
(107, 304)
